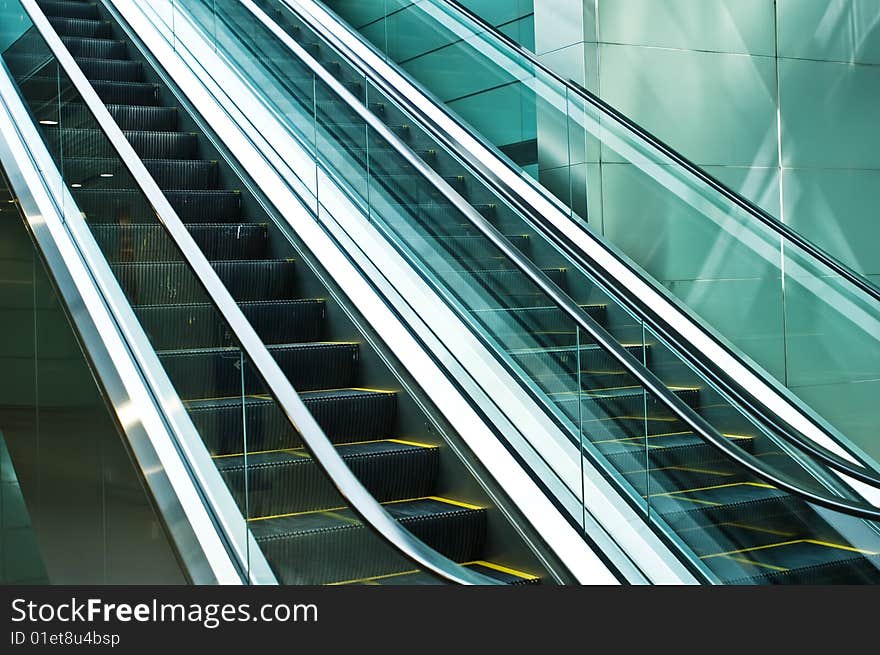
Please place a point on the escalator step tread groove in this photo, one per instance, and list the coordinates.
(345, 415)
(282, 482)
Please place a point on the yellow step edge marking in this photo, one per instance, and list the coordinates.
(375, 577)
(346, 443)
(711, 503)
(331, 510)
(686, 469)
(743, 560)
(815, 542)
(762, 485)
(753, 528)
(502, 569)
(663, 434)
(409, 443)
(453, 502)
(264, 396)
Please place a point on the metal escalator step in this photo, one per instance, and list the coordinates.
(151, 243)
(522, 327)
(470, 251)
(127, 93)
(172, 283)
(144, 117)
(117, 70)
(502, 574)
(82, 27)
(200, 326)
(95, 48)
(88, 10)
(286, 481)
(345, 415)
(501, 288)
(333, 546)
(148, 145)
(218, 372)
(796, 561)
(169, 174)
(127, 117)
(556, 368)
(130, 205)
(664, 449)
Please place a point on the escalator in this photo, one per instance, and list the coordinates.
(735, 498)
(712, 253)
(295, 514)
(740, 526)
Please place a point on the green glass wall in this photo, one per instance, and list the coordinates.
(72, 508)
(779, 100)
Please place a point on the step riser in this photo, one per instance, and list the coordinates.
(304, 487)
(142, 243)
(113, 206)
(90, 29)
(168, 174)
(127, 117)
(197, 326)
(356, 553)
(113, 70)
(85, 10)
(95, 48)
(147, 145)
(219, 374)
(163, 284)
(356, 418)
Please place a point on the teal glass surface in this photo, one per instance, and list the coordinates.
(687, 491)
(719, 262)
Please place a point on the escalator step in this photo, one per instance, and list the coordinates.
(200, 326)
(325, 547)
(176, 174)
(82, 27)
(127, 117)
(502, 574)
(803, 561)
(620, 413)
(127, 93)
(151, 243)
(556, 368)
(147, 117)
(174, 283)
(217, 372)
(522, 327)
(129, 205)
(95, 48)
(286, 481)
(345, 415)
(471, 251)
(88, 10)
(147, 145)
(502, 288)
(664, 449)
(117, 70)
